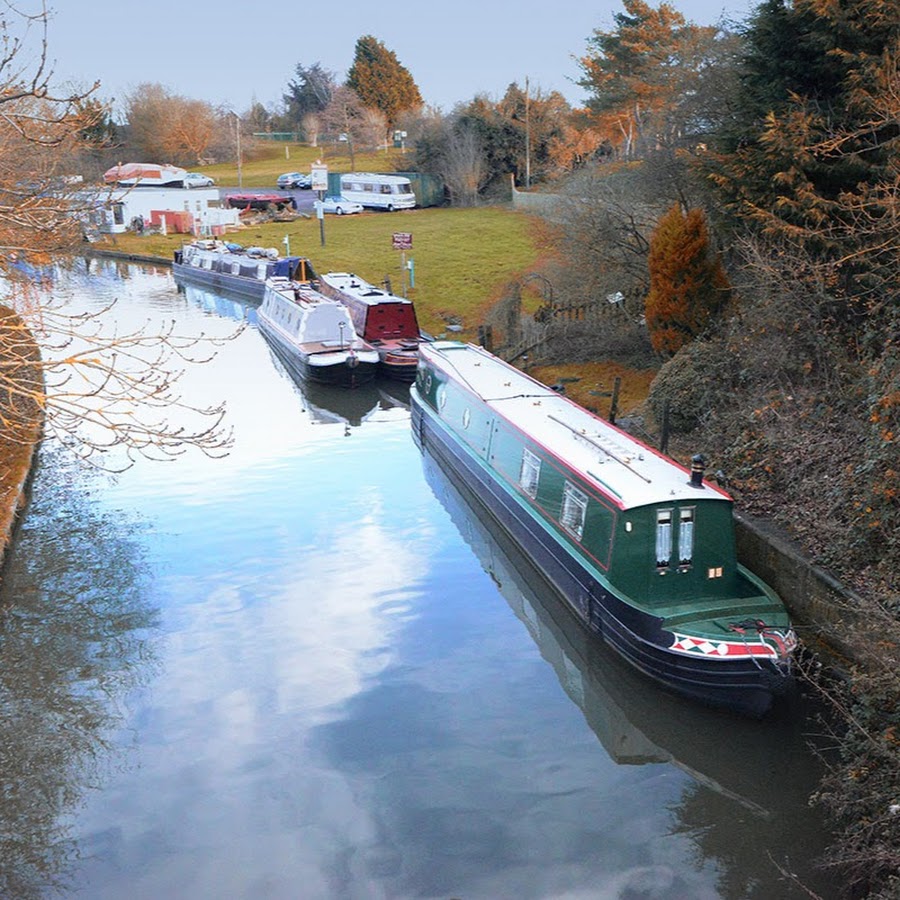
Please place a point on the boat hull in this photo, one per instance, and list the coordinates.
(235, 285)
(339, 368)
(745, 685)
(398, 366)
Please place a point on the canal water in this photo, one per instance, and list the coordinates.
(312, 669)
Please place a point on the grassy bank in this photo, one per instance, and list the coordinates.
(263, 161)
(463, 258)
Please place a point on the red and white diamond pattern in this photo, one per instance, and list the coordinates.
(684, 643)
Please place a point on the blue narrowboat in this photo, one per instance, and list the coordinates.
(641, 548)
(238, 271)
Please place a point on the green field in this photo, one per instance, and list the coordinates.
(463, 258)
(263, 161)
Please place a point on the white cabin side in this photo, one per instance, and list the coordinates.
(376, 191)
(305, 316)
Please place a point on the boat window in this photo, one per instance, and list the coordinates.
(663, 538)
(685, 536)
(530, 472)
(574, 509)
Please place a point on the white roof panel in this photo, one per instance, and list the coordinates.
(632, 472)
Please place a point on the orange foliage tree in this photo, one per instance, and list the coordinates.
(688, 285)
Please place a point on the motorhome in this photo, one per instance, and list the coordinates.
(373, 191)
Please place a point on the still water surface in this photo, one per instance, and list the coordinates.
(311, 669)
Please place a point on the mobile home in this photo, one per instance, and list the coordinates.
(373, 191)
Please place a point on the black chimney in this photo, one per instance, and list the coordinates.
(698, 466)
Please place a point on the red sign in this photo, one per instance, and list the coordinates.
(402, 240)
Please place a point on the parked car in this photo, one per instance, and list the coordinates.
(294, 180)
(341, 206)
(198, 179)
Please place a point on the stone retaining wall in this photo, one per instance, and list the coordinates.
(821, 607)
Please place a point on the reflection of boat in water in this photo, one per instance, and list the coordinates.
(329, 404)
(751, 780)
(207, 299)
(642, 549)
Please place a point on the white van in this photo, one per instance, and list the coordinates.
(388, 192)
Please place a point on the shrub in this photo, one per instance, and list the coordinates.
(691, 385)
(687, 283)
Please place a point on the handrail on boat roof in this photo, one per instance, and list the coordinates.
(596, 443)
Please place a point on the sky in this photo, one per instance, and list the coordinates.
(234, 53)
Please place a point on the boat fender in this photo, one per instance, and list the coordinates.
(352, 361)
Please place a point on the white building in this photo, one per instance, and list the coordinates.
(116, 209)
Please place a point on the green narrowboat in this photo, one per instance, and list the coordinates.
(641, 548)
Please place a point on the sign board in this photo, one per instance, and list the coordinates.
(319, 173)
(402, 240)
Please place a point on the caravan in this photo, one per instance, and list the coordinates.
(388, 192)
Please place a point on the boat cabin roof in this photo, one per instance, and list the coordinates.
(356, 287)
(629, 472)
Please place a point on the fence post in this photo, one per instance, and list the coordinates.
(614, 405)
(664, 438)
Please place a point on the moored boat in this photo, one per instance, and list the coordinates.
(145, 175)
(386, 321)
(239, 271)
(641, 549)
(314, 335)
(259, 200)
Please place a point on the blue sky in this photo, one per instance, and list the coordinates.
(232, 53)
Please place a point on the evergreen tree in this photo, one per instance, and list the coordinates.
(309, 93)
(380, 81)
(688, 285)
(640, 73)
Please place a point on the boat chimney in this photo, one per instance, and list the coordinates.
(698, 466)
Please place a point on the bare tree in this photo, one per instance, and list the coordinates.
(168, 128)
(463, 166)
(98, 388)
(347, 119)
(106, 396)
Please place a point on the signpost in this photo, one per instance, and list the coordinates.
(403, 241)
(319, 172)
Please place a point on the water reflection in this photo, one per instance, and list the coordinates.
(226, 307)
(745, 802)
(326, 404)
(338, 703)
(73, 642)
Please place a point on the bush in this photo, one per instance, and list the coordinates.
(691, 385)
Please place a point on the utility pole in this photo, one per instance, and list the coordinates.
(527, 138)
(237, 140)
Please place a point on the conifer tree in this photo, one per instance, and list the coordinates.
(640, 74)
(380, 81)
(688, 285)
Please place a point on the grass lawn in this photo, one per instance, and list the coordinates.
(463, 258)
(263, 161)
